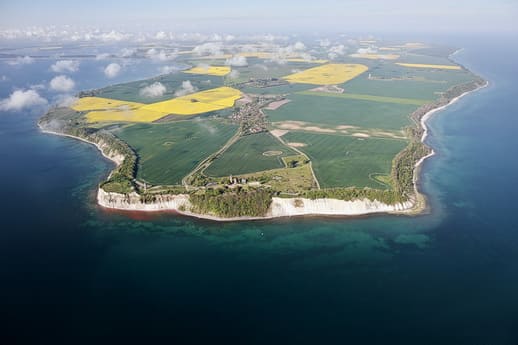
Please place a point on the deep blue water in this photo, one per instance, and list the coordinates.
(72, 273)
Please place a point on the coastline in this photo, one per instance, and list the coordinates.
(115, 159)
(280, 207)
(421, 199)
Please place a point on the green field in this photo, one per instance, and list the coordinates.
(246, 156)
(131, 91)
(372, 98)
(345, 161)
(168, 152)
(334, 111)
(277, 90)
(391, 80)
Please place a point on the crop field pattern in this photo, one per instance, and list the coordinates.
(347, 113)
(172, 82)
(210, 70)
(345, 161)
(339, 111)
(109, 110)
(247, 156)
(167, 152)
(327, 74)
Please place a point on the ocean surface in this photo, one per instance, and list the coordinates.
(73, 273)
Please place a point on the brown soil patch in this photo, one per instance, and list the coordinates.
(277, 104)
(302, 126)
(318, 129)
(328, 89)
(272, 153)
(296, 144)
(278, 132)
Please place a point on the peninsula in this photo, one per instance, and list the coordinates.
(265, 131)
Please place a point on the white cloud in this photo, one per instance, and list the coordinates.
(62, 83)
(160, 55)
(336, 51)
(102, 56)
(4, 78)
(168, 69)
(324, 43)
(237, 61)
(307, 57)
(25, 60)
(299, 46)
(261, 66)
(211, 48)
(154, 90)
(186, 89)
(161, 35)
(112, 70)
(127, 52)
(21, 99)
(65, 100)
(369, 50)
(234, 74)
(113, 36)
(63, 66)
(230, 38)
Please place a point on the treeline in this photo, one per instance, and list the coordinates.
(235, 203)
(389, 197)
(403, 167)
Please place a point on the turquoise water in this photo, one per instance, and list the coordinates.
(71, 272)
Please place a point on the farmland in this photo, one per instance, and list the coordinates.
(197, 103)
(292, 121)
(337, 111)
(168, 152)
(420, 65)
(247, 156)
(346, 161)
(327, 74)
(108, 110)
(209, 70)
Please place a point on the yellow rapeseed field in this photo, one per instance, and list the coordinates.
(110, 110)
(219, 71)
(329, 74)
(418, 65)
(197, 103)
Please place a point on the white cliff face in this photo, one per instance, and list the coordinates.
(280, 207)
(132, 202)
(299, 206)
(112, 155)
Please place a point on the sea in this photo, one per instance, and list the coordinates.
(73, 273)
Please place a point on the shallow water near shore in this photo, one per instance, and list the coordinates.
(71, 270)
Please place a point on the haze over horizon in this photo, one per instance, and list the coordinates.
(462, 16)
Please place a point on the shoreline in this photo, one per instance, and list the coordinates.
(97, 145)
(285, 207)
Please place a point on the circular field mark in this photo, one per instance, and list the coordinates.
(272, 153)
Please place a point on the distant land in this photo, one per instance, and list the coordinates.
(254, 131)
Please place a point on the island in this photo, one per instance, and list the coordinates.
(259, 131)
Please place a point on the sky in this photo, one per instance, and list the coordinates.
(268, 15)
